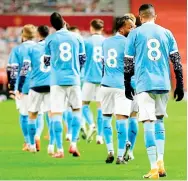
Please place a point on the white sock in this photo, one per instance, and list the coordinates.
(73, 144)
(37, 137)
(152, 155)
(121, 153)
(92, 126)
(60, 150)
(110, 148)
(69, 136)
(160, 149)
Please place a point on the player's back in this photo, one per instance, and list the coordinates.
(64, 50)
(153, 45)
(40, 74)
(93, 64)
(113, 51)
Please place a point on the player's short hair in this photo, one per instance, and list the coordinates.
(43, 31)
(29, 31)
(132, 17)
(147, 10)
(72, 28)
(120, 22)
(56, 21)
(97, 24)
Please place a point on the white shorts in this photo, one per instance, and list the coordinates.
(113, 101)
(23, 105)
(17, 101)
(152, 105)
(134, 105)
(59, 94)
(38, 101)
(91, 92)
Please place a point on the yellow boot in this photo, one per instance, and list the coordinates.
(162, 172)
(153, 174)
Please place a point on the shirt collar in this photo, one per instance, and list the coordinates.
(118, 34)
(29, 41)
(62, 29)
(149, 22)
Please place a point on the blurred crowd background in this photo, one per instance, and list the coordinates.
(16, 13)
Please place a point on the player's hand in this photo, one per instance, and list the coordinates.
(11, 94)
(18, 95)
(178, 94)
(129, 92)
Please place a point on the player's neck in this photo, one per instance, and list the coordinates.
(41, 39)
(97, 33)
(119, 33)
(148, 21)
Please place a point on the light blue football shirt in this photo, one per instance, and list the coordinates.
(93, 64)
(40, 74)
(64, 48)
(113, 50)
(19, 60)
(151, 45)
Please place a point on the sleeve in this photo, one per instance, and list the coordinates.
(82, 52)
(129, 55)
(102, 59)
(172, 44)
(47, 54)
(14, 69)
(130, 45)
(24, 69)
(176, 61)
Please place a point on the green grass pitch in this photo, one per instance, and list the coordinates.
(18, 165)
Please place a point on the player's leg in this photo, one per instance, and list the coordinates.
(35, 101)
(24, 126)
(67, 117)
(69, 123)
(161, 104)
(74, 99)
(99, 137)
(108, 108)
(46, 137)
(23, 109)
(57, 99)
(122, 111)
(133, 127)
(88, 91)
(39, 129)
(46, 108)
(146, 103)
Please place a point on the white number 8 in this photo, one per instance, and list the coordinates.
(153, 49)
(65, 49)
(111, 60)
(97, 51)
(43, 68)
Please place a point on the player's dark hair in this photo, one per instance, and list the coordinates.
(72, 28)
(120, 22)
(147, 10)
(97, 24)
(56, 21)
(43, 31)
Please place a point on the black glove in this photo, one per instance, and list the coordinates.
(178, 94)
(129, 92)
